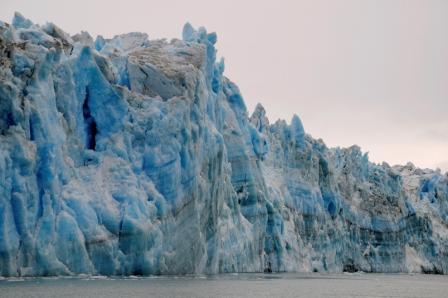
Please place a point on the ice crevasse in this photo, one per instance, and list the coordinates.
(130, 156)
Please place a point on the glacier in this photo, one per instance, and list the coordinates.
(131, 156)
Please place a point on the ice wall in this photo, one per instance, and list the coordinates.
(134, 156)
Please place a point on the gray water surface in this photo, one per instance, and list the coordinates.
(233, 285)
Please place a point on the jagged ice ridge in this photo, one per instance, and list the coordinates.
(134, 156)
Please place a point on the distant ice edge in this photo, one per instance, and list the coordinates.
(130, 156)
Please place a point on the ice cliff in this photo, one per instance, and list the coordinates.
(134, 156)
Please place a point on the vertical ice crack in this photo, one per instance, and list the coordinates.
(89, 124)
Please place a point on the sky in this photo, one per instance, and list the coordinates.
(367, 72)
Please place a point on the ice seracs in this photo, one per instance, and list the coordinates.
(129, 156)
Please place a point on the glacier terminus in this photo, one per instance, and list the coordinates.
(131, 156)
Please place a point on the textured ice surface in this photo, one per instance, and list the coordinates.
(135, 156)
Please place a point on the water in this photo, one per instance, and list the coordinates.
(233, 285)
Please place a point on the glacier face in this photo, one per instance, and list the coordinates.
(134, 156)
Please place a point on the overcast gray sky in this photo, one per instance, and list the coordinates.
(366, 72)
